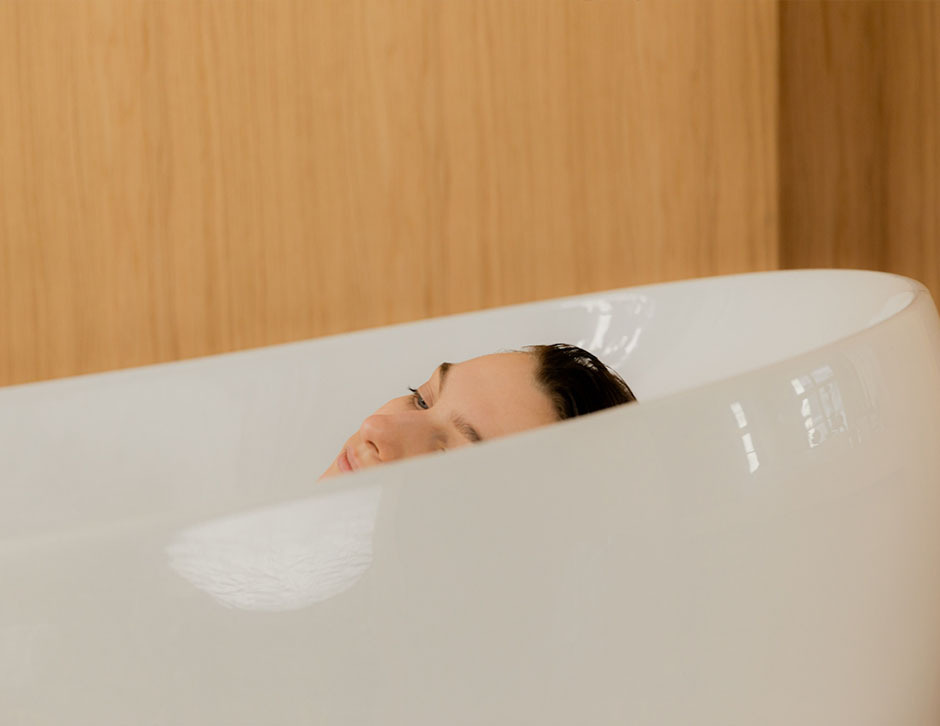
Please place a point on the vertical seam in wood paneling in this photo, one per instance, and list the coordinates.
(779, 261)
(881, 134)
(783, 236)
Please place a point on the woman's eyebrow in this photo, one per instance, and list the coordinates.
(459, 422)
(442, 376)
(466, 429)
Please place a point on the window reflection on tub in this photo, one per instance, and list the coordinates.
(753, 463)
(284, 557)
(631, 310)
(820, 405)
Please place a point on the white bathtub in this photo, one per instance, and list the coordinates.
(756, 542)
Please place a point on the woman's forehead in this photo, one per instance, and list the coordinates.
(515, 367)
(499, 390)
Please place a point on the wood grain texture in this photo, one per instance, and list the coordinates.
(860, 137)
(912, 142)
(187, 177)
(832, 62)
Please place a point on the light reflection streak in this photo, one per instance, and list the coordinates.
(821, 405)
(746, 438)
(615, 313)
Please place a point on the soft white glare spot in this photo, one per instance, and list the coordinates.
(747, 439)
(752, 462)
(629, 345)
(821, 409)
(738, 410)
(601, 308)
(817, 436)
(610, 317)
(831, 399)
(822, 374)
(801, 384)
(603, 324)
(284, 557)
(894, 304)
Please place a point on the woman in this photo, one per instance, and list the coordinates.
(484, 398)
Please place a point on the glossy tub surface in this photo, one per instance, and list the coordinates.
(755, 542)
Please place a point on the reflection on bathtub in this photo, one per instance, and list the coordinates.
(631, 306)
(892, 306)
(284, 557)
(820, 405)
(752, 461)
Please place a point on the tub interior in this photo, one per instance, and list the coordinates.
(257, 423)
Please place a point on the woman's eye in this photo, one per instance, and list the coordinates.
(419, 402)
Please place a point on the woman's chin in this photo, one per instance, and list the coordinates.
(334, 470)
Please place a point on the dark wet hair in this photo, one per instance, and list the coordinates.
(577, 381)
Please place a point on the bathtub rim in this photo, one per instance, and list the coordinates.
(917, 289)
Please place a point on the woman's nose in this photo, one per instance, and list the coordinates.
(397, 435)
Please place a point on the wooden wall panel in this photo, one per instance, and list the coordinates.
(860, 136)
(186, 177)
(911, 110)
(832, 61)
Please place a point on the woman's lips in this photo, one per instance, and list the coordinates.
(343, 461)
(347, 461)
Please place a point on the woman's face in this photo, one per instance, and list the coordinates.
(479, 399)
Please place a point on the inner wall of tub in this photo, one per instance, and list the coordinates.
(270, 420)
(662, 339)
(668, 338)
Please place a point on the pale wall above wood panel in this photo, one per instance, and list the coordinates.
(186, 177)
